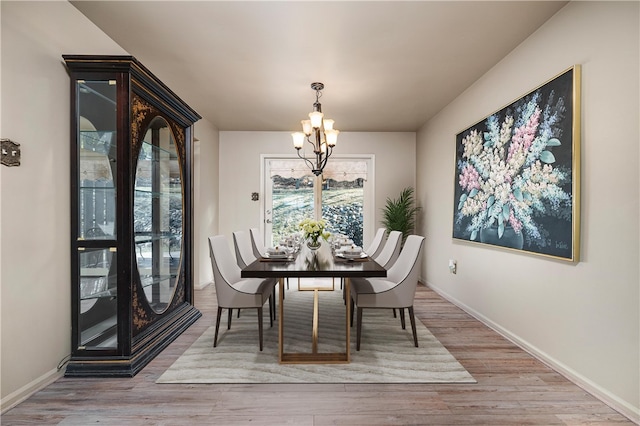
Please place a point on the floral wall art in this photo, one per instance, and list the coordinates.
(517, 173)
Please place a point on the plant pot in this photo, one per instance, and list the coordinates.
(510, 238)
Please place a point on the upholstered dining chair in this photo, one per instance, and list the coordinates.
(374, 248)
(389, 253)
(396, 291)
(233, 291)
(244, 257)
(244, 249)
(377, 244)
(259, 249)
(256, 243)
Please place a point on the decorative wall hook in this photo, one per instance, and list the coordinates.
(10, 153)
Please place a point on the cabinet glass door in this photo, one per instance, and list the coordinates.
(157, 212)
(96, 204)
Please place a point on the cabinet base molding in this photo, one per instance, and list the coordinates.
(152, 344)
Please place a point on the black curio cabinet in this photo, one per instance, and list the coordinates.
(131, 216)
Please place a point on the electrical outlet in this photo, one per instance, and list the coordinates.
(453, 266)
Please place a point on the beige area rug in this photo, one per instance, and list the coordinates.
(387, 353)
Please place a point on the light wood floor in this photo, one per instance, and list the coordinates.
(513, 389)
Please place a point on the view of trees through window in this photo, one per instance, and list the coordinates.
(342, 206)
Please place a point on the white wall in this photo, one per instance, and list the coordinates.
(36, 305)
(205, 200)
(240, 169)
(582, 318)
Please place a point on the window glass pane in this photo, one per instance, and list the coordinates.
(343, 199)
(292, 202)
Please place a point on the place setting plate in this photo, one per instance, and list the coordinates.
(282, 256)
(352, 257)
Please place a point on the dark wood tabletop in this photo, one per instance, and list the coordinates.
(308, 264)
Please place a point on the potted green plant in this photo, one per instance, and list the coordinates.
(400, 214)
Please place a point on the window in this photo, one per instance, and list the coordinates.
(293, 193)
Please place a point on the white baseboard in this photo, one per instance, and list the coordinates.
(621, 406)
(15, 398)
(202, 285)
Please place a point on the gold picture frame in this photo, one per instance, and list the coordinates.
(517, 173)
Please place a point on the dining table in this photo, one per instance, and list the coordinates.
(320, 263)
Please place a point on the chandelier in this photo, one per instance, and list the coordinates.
(319, 133)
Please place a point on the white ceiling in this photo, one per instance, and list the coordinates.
(386, 65)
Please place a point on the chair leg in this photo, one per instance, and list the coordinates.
(402, 323)
(413, 325)
(351, 312)
(394, 313)
(272, 297)
(215, 337)
(260, 326)
(238, 312)
(229, 319)
(359, 332)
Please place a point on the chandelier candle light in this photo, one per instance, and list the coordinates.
(319, 132)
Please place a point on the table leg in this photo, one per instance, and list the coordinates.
(314, 357)
(347, 289)
(280, 319)
(314, 332)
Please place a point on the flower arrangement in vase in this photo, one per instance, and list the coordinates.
(312, 231)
